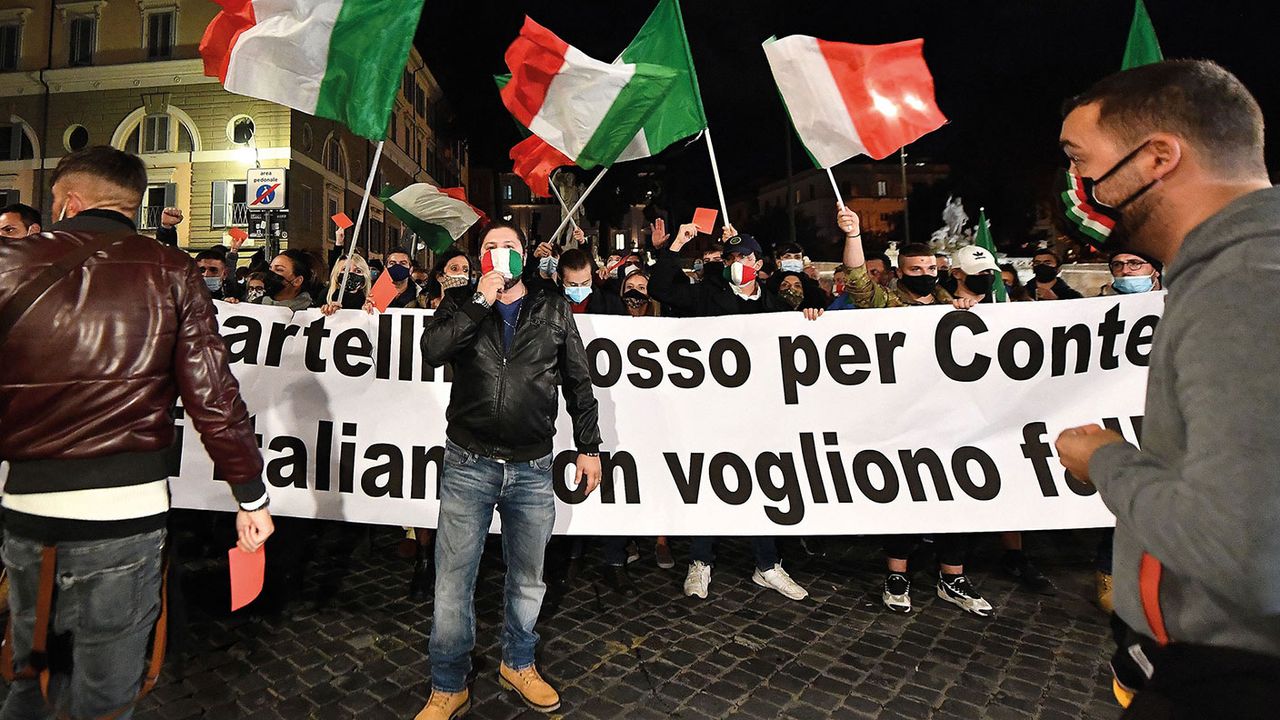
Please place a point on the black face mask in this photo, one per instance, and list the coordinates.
(948, 282)
(635, 298)
(273, 283)
(919, 285)
(980, 284)
(355, 284)
(1045, 273)
(712, 269)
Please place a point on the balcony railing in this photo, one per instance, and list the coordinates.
(240, 214)
(149, 218)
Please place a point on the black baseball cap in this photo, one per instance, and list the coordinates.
(743, 245)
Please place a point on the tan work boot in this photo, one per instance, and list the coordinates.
(1102, 584)
(529, 685)
(445, 706)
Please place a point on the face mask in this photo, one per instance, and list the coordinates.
(355, 283)
(506, 262)
(948, 282)
(919, 285)
(399, 273)
(838, 288)
(980, 284)
(635, 298)
(1088, 220)
(1045, 273)
(547, 266)
(792, 297)
(794, 266)
(453, 281)
(697, 266)
(213, 283)
(274, 283)
(1134, 284)
(577, 294)
(740, 274)
(253, 295)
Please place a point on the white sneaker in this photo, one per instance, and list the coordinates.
(698, 580)
(897, 592)
(961, 593)
(778, 579)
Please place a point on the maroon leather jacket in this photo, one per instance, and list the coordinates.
(89, 375)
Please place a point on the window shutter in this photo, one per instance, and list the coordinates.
(218, 212)
(170, 194)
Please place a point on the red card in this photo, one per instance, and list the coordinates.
(342, 221)
(384, 291)
(705, 220)
(238, 234)
(247, 571)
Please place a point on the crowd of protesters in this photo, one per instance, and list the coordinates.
(67, 508)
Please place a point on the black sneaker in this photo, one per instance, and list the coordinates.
(897, 592)
(1021, 569)
(960, 592)
(617, 579)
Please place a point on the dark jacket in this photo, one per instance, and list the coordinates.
(710, 298)
(503, 404)
(1060, 288)
(92, 370)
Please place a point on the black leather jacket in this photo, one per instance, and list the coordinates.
(503, 404)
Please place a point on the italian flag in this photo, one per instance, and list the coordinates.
(505, 260)
(587, 109)
(438, 216)
(337, 59)
(847, 100)
(1075, 198)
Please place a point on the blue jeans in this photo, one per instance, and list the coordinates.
(702, 549)
(470, 488)
(107, 599)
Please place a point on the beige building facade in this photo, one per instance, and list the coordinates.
(127, 73)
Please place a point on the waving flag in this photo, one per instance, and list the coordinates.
(336, 59)
(848, 100)
(587, 109)
(439, 216)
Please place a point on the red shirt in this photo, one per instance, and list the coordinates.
(579, 308)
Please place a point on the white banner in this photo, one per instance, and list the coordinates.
(863, 422)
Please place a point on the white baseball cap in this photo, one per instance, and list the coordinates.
(973, 260)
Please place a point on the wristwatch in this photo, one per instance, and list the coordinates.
(478, 299)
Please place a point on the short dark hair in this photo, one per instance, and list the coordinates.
(211, 254)
(713, 247)
(882, 258)
(789, 249)
(500, 224)
(1046, 251)
(30, 216)
(576, 259)
(117, 167)
(400, 251)
(1195, 99)
(916, 250)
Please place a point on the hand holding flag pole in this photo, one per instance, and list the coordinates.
(355, 232)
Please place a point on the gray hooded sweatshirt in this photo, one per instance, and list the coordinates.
(1203, 494)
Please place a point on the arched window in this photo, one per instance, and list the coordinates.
(335, 156)
(171, 131)
(17, 140)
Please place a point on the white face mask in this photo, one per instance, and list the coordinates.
(792, 266)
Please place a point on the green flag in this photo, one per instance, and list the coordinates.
(662, 41)
(1142, 48)
(984, 241)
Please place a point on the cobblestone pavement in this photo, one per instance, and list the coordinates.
(746, 652)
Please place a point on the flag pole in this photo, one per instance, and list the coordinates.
(355, 234)
(552, 184)
(839, 197)
(569, 217)
(715, 170)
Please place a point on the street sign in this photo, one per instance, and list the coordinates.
(265, 188)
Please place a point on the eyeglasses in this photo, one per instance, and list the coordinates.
(1118, 265)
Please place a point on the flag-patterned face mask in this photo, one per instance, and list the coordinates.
(1089, 220)
(506, 261)
(739, 273)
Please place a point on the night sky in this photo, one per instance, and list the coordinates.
(1001, 69)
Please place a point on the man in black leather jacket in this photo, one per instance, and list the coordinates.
(510, 345)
